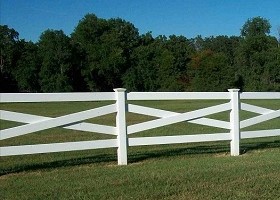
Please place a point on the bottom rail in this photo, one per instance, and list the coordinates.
(260, 133)
(141, 141)
(57, 147)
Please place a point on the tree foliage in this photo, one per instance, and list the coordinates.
(256, 26)
(102, 54)
(211, 72)
(254, 56)
(108, 45)
(28, 68)
(8, 57)
(55, 54)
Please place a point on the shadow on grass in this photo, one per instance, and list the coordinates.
(251, 146)
(104, 158)
(202, 150)
(142, 155)
(171, 152)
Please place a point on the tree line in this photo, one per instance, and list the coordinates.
(104, 54)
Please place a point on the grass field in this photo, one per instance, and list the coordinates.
(183, 171)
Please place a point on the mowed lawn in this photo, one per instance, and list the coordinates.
(182, 171)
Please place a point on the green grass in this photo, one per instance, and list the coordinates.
(183, 171)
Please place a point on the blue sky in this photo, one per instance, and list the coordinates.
(162, 17)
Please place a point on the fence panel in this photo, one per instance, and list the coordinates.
(265, 114)
(72, 121)
(121, 107)
(56, 122)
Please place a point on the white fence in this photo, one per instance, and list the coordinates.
(34, 123)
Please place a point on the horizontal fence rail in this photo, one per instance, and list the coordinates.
(74, 121)
(177, 95)
(58, 147)
(178, 139)
(56, 97)
(260, 95)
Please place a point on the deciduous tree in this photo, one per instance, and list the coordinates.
(108, 45)
(55, 53)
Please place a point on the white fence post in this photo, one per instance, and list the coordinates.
(121, 125)
(234, 122)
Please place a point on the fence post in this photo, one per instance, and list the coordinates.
(234, 122)
(121, 125)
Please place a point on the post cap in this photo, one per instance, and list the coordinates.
(233, 90)
(119, 89)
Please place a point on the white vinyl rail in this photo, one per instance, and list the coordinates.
(34, 123)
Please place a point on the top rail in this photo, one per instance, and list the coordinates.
(56, 97)
(107, 96)
(176, 95)
(260, 95)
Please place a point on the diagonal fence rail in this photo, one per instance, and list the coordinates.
(74, 121)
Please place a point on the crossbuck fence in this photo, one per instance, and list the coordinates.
(74, 121)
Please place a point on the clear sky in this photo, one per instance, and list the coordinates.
(162, 17)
